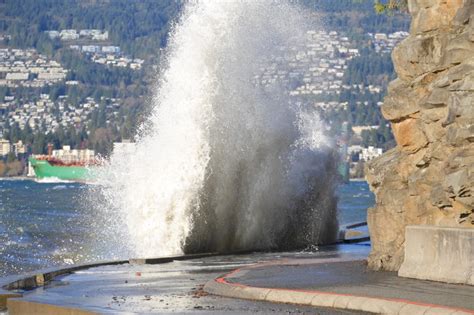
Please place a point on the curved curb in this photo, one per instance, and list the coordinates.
(220, 286)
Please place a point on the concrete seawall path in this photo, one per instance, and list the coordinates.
(163, 286)
(330, 280)
(343, 285)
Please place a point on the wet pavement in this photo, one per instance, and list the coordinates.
(175, 287)
(353, 278)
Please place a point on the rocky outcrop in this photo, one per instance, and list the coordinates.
(428, 178)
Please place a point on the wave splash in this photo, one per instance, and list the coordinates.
(224, 163)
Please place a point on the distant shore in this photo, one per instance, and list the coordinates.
(16, 178)
(360, 179)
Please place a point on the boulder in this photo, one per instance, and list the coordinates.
(408, 134)
(432, 15)
(419, 55)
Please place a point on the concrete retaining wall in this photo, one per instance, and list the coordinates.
(439, 253)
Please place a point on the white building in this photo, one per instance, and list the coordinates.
(354, 149)
(69, 35)
(52, 34)
(354, 51)
(358, 129)
(51, 76)
(370, 153)
(87, 32)
(17, 76)
(101, 36)
(5, 147)
(20, 148)
(90, 48)
(111, 49)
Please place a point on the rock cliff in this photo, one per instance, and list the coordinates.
(429, 177)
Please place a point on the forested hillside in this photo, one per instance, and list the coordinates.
(137, 32)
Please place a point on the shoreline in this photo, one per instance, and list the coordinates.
(50, 180)
(16, 178)
(358, 179)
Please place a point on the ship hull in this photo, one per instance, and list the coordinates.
(43, 169)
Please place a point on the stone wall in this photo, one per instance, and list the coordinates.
(428, 178)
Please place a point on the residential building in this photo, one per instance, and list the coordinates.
(69, 35)
(90, 48)
(101, 36)
(5, 147)
(20, 148)
(53, 34)
(370, 153)
(354, 149)
(110, 49)
(358, 129)
(17, 76)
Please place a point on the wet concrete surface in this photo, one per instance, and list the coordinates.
(355, 278)
(175, 287)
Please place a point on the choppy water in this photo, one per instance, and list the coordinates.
(49, 224)
(43, 224)
(354, 199)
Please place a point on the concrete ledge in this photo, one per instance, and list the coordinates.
(18, 306)
(439, 253)
(162, 260)
(11, 287)
(222, 287)
(41, 277)
(355, 225)
(350, 233)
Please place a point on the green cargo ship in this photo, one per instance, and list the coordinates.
(50, 168)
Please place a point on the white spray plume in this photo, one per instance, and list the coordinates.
(224, 164)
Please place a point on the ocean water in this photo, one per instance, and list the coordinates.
(42, 224)
(51, 224)
(354, 199)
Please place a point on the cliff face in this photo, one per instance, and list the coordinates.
(429, 177)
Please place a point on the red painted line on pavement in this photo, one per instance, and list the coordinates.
(223, 280)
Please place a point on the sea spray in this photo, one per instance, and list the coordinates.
(223, 163)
